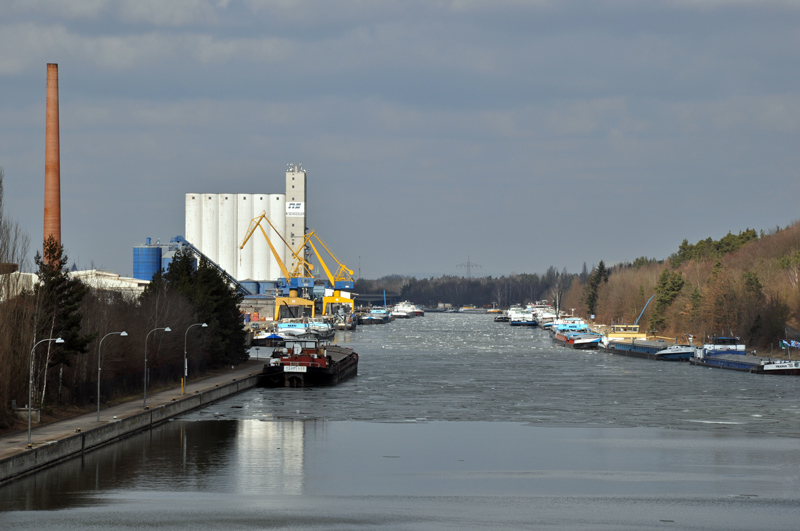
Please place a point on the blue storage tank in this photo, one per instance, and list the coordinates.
(146, 261)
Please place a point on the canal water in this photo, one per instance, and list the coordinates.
(454, 422)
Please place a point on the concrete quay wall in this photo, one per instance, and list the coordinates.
(64, 448)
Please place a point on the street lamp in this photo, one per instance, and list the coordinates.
(30, 380)
(185, 364)
(122, 334)
(166, 329)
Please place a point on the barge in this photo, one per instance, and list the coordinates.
(650, 350)
(728, 353)
(308, 361)
(573, 332)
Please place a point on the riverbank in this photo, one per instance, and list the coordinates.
(58, 441)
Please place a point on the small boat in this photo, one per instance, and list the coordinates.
(502, 317)
(305, 360)
(404, 310)
(729, 353)
(675, 353)
(375, 316)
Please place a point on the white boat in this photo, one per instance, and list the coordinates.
(376, 316)
(519, 316)
(404, 310)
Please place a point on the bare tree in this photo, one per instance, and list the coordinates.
(14, 321)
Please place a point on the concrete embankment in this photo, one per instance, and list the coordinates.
(70, 438)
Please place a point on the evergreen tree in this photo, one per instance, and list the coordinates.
(215, 303)
(669, 286)
(599, 274)
(58, 313)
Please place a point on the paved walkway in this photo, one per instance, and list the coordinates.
(16, 443)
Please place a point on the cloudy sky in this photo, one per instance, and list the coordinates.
(513, 134)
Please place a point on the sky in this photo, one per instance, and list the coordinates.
(513, 135)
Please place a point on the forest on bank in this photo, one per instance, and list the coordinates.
(745, 284)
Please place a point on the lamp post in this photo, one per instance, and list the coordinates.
(185, 364)
(122, 334)
(30, 380)
(165, 329)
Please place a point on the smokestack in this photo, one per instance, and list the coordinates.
(52, 160)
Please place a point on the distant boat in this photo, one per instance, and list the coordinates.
(502, 317)
(519, 316)
(375, 316)
(404, 310)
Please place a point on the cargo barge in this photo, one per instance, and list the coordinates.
(308, 361)
(648, 349)
(728, 353)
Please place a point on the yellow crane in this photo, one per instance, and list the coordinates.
(341, 280)
(291, 303)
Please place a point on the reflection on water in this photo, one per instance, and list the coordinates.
(416, 474)
(453, 422)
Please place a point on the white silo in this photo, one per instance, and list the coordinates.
(261, 251)
(227, 234)
(210, 234)
(193, 223)
(277, 206)
(244, 215)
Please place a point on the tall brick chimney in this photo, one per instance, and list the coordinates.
(52, 161)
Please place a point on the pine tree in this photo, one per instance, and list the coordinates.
(667, 290)
(58, 299)
(598, 275)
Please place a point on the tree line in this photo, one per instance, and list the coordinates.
(481, 291)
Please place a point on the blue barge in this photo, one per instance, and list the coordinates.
(651, 350)
(728, 353)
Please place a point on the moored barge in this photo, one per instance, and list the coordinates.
(650, 350)
(728, 353)
(308, 361)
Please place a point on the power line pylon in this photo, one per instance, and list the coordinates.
(468, 265)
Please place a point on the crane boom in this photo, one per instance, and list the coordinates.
(291, 304)
(343, 273)
(256, 223)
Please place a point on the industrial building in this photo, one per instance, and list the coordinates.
(216, 224)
